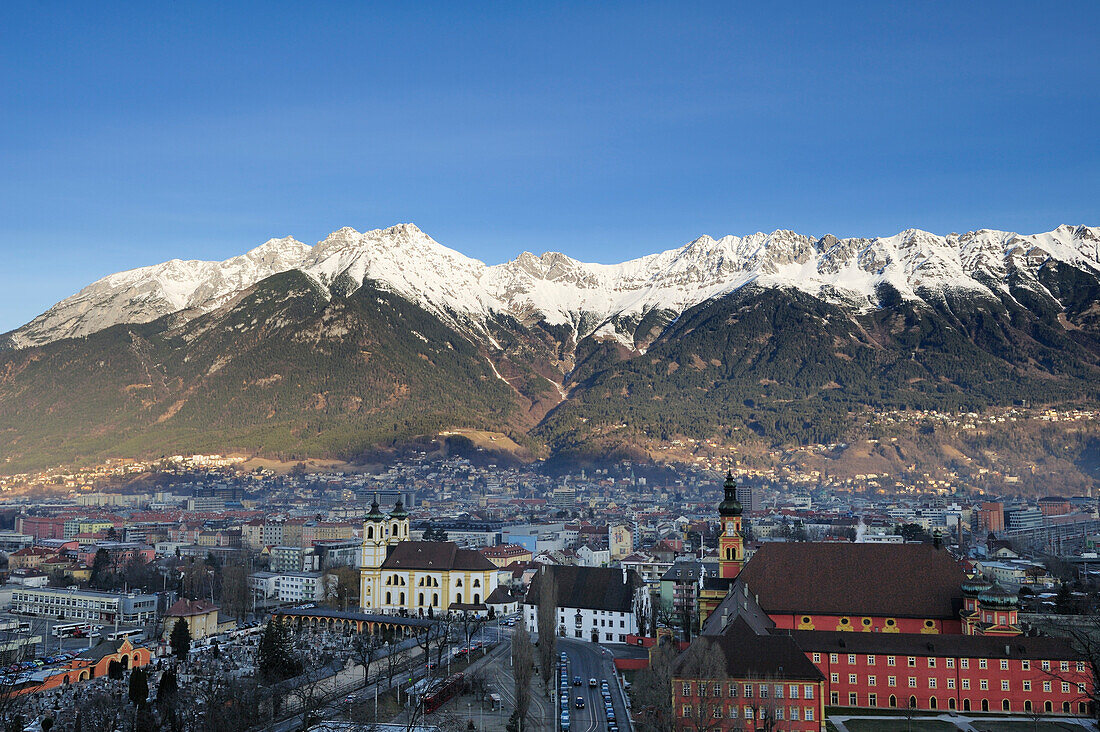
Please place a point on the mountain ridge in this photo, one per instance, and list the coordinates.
(375, 340)
(600, 300)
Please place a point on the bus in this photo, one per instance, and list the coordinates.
(71, 630)
(134, 634)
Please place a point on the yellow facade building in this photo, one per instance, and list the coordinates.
(418, 577)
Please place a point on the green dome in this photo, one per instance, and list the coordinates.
(399, 511)
(375, 514)
(975, 584)
(997, 596)
(730, 506)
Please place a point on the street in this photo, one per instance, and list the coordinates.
(589, 660)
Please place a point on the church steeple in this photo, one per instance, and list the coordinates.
(374, 542)
(729, 506)
(399, 518)
(731, 546)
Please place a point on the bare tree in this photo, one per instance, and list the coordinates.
(652, 691)
(235, 593)
(364, 649)
(230, 704)
(1082, 633)
(766, 702)
(13, 651)
(341, 587)
(308, 695)
(523, 663)
(704, 667)
(547, 623)
(470, 624)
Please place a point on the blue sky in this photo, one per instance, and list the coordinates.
(134, 133)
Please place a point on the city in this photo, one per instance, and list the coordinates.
(549, 367)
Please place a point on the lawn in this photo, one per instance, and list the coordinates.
(899, 725)
(1044, 725)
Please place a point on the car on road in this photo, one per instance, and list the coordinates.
(579, 703)
(576, 681)
(592, 683)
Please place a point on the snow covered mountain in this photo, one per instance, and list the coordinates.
(593, 300)
(147, 293)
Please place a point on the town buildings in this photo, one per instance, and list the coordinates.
(593, 603)
(76, 604)
(917, 634)
(419, 578)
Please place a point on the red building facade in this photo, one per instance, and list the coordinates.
(883, 626)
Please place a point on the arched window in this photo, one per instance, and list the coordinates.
(402, 598)
(477, 582)
(1027, 705)
(421, 600)
(477, 598)
(1065, 707)
(966, 705)
(893, 701)
(912, 702)
(1048, 707)
(932, 702)
(1006, 705)
(389, 600)
(435, 599)
(395, 529)
(458, 598)
(985, 705)
(370, 532)
(458, 582)
(951, 702)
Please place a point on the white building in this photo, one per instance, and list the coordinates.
(74, 604)
(594, 603)
(287, 586)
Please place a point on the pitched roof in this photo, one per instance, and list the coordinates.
(917, 644)
(752, 655)
(499, 596)
(105, 648)
(436, 555)
(588, 588)
(890, 580)
(184, 608)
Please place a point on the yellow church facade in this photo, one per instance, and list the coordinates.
(419, 578)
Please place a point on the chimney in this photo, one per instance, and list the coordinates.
(624, 575)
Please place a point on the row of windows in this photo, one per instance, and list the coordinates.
(734, 689)
(911, 661)
(67, 602)
(1006, 704)
(748, 712)
(983, 684)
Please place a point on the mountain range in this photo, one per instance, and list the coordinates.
(366, 340)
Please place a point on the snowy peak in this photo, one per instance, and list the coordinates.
(594, 299)
(147, 293)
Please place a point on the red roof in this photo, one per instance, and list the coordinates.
(184, 608)
(885, 580)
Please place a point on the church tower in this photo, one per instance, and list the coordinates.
(374, 538)
(399, 523)
(731, 546)
(371, 557)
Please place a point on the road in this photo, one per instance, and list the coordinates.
(591, 661)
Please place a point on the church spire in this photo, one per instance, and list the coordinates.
(730, 506)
